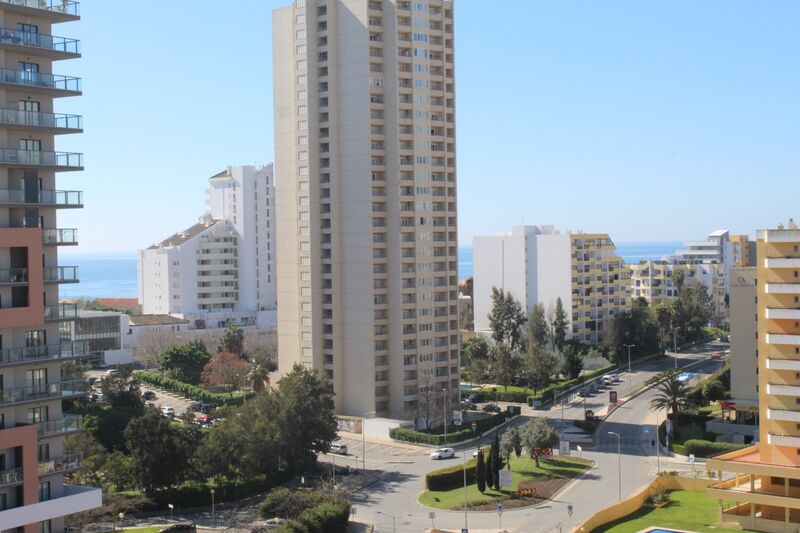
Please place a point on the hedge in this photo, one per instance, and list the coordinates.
(198, 494)
(452, 477)
(188, 390)
(328, 517)
(437, 439)
(704, 448)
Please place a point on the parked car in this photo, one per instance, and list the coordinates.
(339, 447)
(111, 372)
(614, 377)
(443, 453)
(167, 410)
(206, 408)
(476, 397)
(468, 405)
(607, 379)
(583, 393)
(491, 408)
(148, 395)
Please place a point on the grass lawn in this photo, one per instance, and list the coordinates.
(689, 510)
(522, 468)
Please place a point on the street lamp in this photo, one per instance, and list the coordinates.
(364, 438)
(629, 346)
(390, 516)
(619, 461)
(213, 520)
(444, 413)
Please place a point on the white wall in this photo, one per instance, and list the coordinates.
(554, 273)
(497, 261)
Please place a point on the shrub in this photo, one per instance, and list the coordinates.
(289, 504)
(198, 494)
(326, 517)
(704, 448)
(452, 477)
(437, 439)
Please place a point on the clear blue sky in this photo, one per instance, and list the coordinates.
(649, 120)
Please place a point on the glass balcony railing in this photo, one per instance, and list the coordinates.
(69, 462)
(34, 354)
(67, 7)
(66, 388)
(44, 197)
(60, 274)
(40, 119)
(68, 424)
(40, 80)
(13, 275)
(39, 40)
(10, 477)
(60, 311)
(60, 236)
(39, 158)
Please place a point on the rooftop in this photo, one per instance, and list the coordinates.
(183, 236)
(156, 320)
(119, 303)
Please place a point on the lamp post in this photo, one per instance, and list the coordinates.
(630, 385)
(444, 413)
(213, 518)
(390, 516)
(619, 461)
(364, 438)
(171, 507)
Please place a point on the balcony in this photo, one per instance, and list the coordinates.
(13, 276)
(38, 354)
(782, 262)
(783, 390)
(10, 477)
(783, 364)
(39, 82)
(61, 274)
(788, 314)
(782, 288)
(59, 199)
(74, 500)
(55, 10)
(784, 440)
(46, 45)
(63, 236)
(69, 462)
(60, 312)
(58, 161)
(782, 339)
(782, 414)
(53, 122)
(65, 389)
(52, 428)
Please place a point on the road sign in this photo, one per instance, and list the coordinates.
(457, 418)
(612, 397)
(474, 425)
(505, 478)
(500, 508)
(431, 515)
(353, 510)
(578, 447)
(691, 458)
(570, 509)
(563, 447)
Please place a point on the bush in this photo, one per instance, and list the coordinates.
(704, 448)
(452, 477)
(187, 389)
(198, 494)
(324, 518)
(289, 504)
(437, 439)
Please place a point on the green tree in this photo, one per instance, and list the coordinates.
(505, 364)
(538, 367)
(475, 358)
(121, 388)
(107, 425)
(663, 313)
(506, 319)
(118, 472)
(637, 326)
(94, 457)
(159, 450)
(259, 377)
(511, 443)
(671, 395)
(678, 278)
(538, 330)
(480, 473)
(537, 436)
(573, 363)
(184, 362)
(560, 325)
(232, 341)
(713, 390)
(497, 461)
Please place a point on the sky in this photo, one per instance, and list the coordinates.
(652, 121)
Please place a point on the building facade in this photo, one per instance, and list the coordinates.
(743, 251)
(33, 461)
(764, 495)
(221, 269)
(366, 200)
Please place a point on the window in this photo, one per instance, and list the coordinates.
(46, 526)
(44, 491)
(421, 37)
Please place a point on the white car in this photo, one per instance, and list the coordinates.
(615, 377)
(443, 453)
(339, 447)
(607, 379)
(166, 410)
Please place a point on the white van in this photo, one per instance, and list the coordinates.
(339, 447)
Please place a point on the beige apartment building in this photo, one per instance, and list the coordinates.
(33, 461)
(600, 286)
(366, 200)
(743, 251)
(764, 494)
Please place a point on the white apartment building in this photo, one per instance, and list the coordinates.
(717, 248)
(533, 263)
(221, 269)
(366, 200)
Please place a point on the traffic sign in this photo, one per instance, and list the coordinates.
(457, 418)
(431, 515)
(691, 458)
(506, 478)
(474, 425)
(500, 508)
(570, 509)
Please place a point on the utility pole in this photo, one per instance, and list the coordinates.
(630, 374)
(444, 412)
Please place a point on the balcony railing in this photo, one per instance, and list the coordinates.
(13, 275)
(39, 158)
(60, 311)
(66, 388)
(61, 274)
(40, 119)
(33, 354)
(44, 197)
(60, 236)
(40, 80)
(68, 424)
(69, 462)
(67, 7)
(10, 477)
(39, 40)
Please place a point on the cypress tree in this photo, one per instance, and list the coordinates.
(497, 461)
(480, 473)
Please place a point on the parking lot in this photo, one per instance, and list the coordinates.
(379, 453)
(163, 398)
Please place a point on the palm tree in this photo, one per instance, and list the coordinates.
(259, 377)
(672, 395)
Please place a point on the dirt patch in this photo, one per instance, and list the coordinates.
(545, 489)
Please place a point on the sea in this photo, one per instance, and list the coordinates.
(113, 275)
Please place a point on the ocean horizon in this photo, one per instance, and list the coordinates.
(113, 274)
